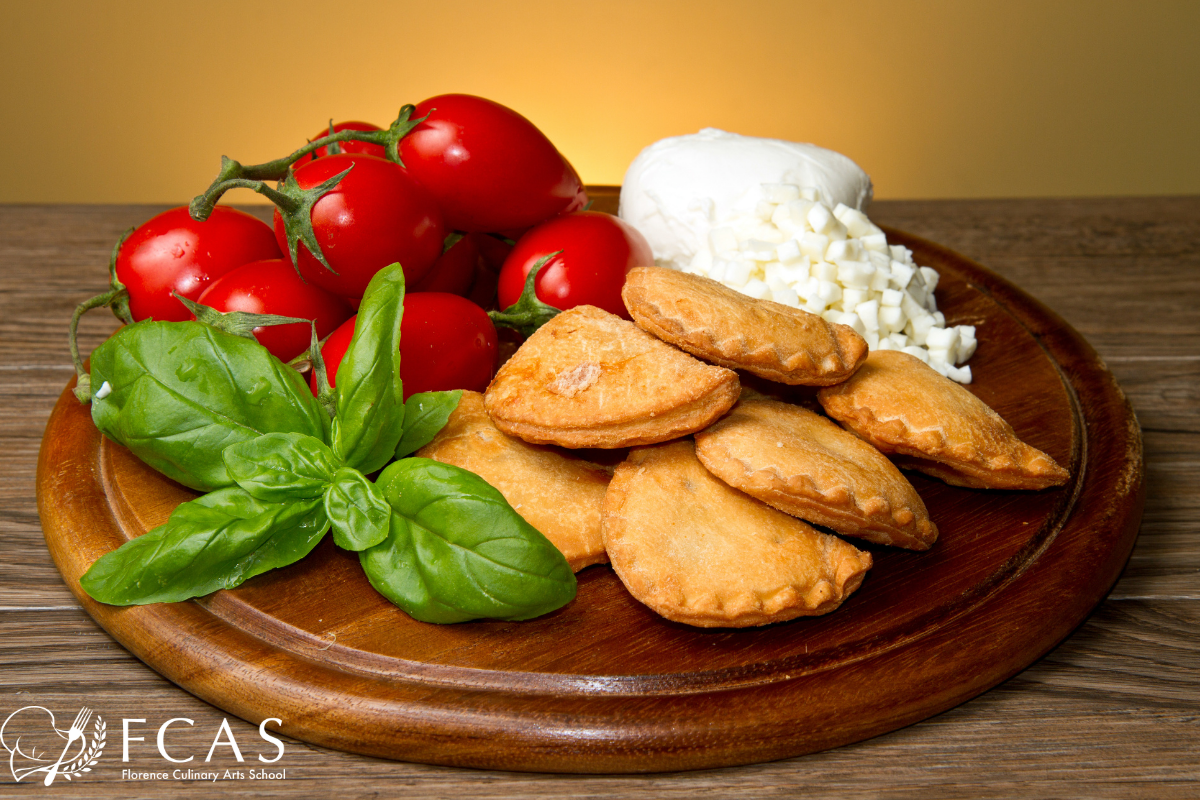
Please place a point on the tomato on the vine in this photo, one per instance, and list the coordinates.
(377, 215)
(488, 167)
(174, 253)
(351, 147)
(597, 251)
(446, 342)
(273, 287)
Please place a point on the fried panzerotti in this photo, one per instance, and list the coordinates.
(559, 495)
(902, 406)
(802, 463)
(696, 551)
(588, 378)
(725, 327)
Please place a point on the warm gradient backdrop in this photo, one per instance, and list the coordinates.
(136, 101)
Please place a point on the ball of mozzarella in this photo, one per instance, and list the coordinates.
(679, 188)
(830, 259)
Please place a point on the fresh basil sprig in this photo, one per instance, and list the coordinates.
(216, 411)
(178, 393)
(370, 398)
(425, 414)
(359, 513)
(213, 542)
(282, 466)
(457, 550)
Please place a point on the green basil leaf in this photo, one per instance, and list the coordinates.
(359, 513)
(457, 550)
(213, 542)
(281, 466)
(424, 415)
(178, 393)
(370, 400)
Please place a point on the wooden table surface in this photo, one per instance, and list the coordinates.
(1114, 711)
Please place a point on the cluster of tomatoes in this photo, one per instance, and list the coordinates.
(480, 198)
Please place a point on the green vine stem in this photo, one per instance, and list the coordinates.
(116, 298)
(234, 175)
(528, 313)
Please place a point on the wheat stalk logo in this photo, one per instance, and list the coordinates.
(25, 761)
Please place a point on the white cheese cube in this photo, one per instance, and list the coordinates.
(764, 209)
(901, 253)
(781, 192)
(786, 295)
(852, 297)
(851, 321)
(756, 289)
(880, 280)
(855, 221)
(737, 273)
(844, 250)
(820, 219)
(815, 305)
(901, 274)
(899, 341)
(789, 251)
(938, 355)
(723, 240)
(758, 250)
(876, 242)
(867, 311)
(829, 291)
(960, 374)
(885, 343)
(891, 298)
(919, 352)
(811, 193)
(855, 274)
(942, 339)
(823, 270)
(931, 278)
(920, 327)
(701, 263)
(872, 338)
(892, 318)
(766, 232)
(939, 319)
(879, 260)
(814, 245)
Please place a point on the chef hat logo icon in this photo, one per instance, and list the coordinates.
(38, 747)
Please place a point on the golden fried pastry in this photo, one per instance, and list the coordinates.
(805, 465)
(717, 324)
(588, 378)
(696, 551)
(558, 494)
(902, 406)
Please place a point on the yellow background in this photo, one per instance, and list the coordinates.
(136, 101)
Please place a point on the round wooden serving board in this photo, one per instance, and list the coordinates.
(604, 684)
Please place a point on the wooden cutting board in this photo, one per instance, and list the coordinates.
(605, 685)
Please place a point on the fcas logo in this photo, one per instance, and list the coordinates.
(38, 747)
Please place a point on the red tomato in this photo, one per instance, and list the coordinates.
(489, 168)
(597, 250)
(455, 269)
(351, 147)
(174, 253)
(273, 287)
(446, 342)
(376, 216)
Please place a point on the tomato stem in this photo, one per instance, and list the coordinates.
(528, 313)
(116, 298)
(239, 323)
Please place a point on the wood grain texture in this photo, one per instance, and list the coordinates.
(1106, 714)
